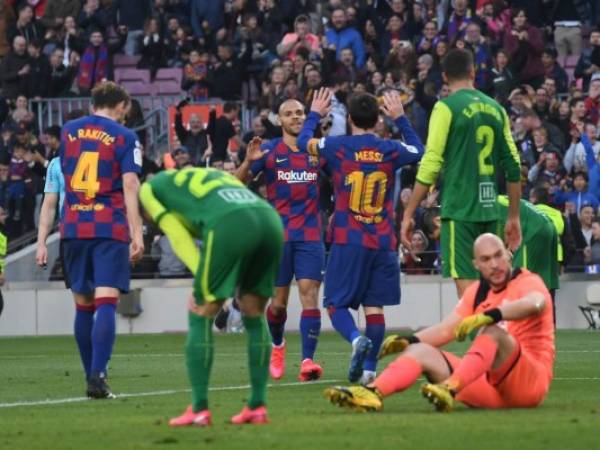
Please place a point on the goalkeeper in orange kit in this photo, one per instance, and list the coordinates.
(509, 363)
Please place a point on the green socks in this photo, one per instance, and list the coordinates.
(199, 351)
(259, 355)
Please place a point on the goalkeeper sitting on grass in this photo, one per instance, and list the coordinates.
(509, 364)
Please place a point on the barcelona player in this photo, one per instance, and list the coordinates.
(293, 190)
(469, 143)
(100, 225)
(242, 240)
(509, 364)
(363, 264)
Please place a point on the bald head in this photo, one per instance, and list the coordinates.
(492, 260)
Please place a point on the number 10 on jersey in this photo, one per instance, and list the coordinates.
(367, 192)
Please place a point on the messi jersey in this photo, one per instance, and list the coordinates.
(292, 189)
(95, 152)
(363, 170)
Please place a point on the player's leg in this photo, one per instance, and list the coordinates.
(111, 275)
(77, 267)
(259, 345)
(401, 374)
(493, 349)
(199, 351)
(457, 240)
(277, 312)
(260, 266)
(309, 260)
(383, 290)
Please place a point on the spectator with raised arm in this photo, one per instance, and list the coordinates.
(524, 43)
(93, 16)
(301, 37)
(195, 139)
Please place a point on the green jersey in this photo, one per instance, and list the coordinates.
(538, 250)
(201, 197)
(469, 140)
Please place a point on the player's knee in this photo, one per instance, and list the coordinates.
(207, 309)
(497, 333)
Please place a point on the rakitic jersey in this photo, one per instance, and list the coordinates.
(469, 141)
(292, 189)
(363, 169)
(95, 152)
(200, 197)
(535, 334)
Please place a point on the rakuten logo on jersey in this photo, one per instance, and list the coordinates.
(296, 176)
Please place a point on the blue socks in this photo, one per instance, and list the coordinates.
(376, 332)
(343, 322)
(84, 322)
(103, 333)
(276, 325)
(310, 327)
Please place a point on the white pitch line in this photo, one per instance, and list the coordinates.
(62, 401)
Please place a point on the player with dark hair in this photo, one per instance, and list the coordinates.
(242, 241)
(509, 364)
(100, 226)
(293, 190)
(363, 263)
(469, 140)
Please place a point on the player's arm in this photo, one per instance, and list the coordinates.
(431, 165)
(253, 163)
(510, 162)
(131, 189)
(180, 238)
(532, 303)
(47, 215)
(319, 108)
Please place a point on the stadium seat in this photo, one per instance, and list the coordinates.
(138, 87)
(170, 74)
(166, 87)
(121, 60)
(129, 74)
(591, 311)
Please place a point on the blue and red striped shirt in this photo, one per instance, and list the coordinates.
(363, 169)
(95, 152)
(292, 188)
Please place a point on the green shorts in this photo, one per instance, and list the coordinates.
(539, 255)
(457, 241)
(243, 251)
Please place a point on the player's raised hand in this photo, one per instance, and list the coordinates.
(392, 105)
(512, 234)
(253, 151)
(321, 102)
(406, 230)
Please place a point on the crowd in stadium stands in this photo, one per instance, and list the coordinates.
(539, 58)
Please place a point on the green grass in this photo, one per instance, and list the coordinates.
(34, 369)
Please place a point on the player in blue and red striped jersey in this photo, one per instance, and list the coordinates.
(100, 223)
(363, 264)
(293, 190)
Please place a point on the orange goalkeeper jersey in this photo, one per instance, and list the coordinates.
(535, 334)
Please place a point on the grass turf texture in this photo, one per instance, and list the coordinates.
(36, 369)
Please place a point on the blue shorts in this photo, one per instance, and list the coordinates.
(358, 276)
(92, 263)
(305, 260)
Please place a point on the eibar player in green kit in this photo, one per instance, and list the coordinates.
(469, 140)
(242, 238)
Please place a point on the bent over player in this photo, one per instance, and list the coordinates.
(100, 224)
(363, 264)
(242, 238)
(509, 364)
(293, 190)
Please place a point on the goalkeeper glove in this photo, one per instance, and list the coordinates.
(396, 344)
(476, 321)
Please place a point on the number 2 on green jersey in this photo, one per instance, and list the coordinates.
(485, 135)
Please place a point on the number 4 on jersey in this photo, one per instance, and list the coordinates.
(85, 177)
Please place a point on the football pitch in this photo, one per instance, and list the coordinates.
(41, 404)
